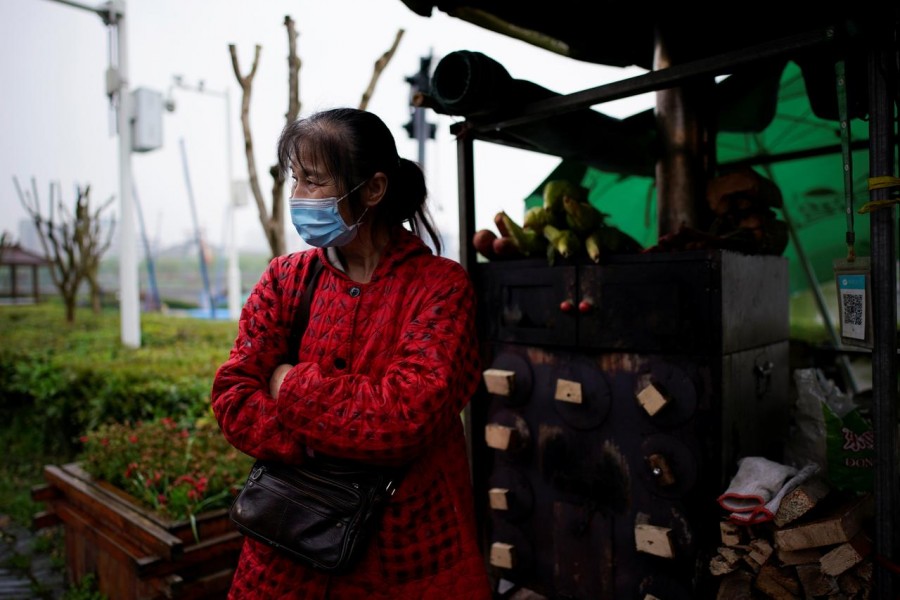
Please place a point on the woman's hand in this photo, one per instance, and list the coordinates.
(277, 378)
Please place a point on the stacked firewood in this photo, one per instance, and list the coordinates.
(817, 546)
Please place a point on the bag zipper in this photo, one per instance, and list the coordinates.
(352, 489)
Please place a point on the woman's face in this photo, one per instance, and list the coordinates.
(309, 181)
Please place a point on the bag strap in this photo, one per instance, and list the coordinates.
(302, 317)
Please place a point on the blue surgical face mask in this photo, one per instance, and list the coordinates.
(319, 221)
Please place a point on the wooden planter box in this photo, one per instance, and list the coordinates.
(133, 552)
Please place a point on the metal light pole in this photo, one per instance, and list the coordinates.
(113, 15)
(418, 127)
(234, 270)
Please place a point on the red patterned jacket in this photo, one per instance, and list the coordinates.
(384, 370)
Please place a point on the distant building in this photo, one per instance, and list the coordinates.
(16, 261)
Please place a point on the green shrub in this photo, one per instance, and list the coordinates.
(59, 381)
(79, 376)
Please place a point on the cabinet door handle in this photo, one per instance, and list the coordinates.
(586, 306)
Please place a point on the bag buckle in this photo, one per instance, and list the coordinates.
(256, 473)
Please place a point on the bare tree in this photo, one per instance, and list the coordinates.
(273, 221)
(91, 242)
(72, 242)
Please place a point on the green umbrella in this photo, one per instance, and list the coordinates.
(812, 187)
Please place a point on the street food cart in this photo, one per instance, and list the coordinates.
(618, 395)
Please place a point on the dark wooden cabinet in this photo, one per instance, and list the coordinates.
(618, 399)
(687, 302)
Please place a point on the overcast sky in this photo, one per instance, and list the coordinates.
(57, 124)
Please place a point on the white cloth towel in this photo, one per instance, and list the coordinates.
(756, 491)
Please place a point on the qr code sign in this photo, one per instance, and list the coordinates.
(853, 306)
(853, 309)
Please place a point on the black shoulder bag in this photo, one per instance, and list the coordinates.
(322, 512)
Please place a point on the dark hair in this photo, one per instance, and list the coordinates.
(352, 145)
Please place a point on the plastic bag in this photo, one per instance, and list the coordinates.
(830, 431)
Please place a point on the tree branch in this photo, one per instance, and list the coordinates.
(294, 64)
(246, 83)
(380, 65)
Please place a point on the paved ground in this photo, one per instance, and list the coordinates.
(28, 567)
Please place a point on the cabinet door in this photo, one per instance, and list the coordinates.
(647, 306)
(529, 302)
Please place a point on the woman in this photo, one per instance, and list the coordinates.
(386, 364)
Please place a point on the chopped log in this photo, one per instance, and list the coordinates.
(760, 550)
(499, 437)
(718, 566)
(568, 391)
(499, 381)
(732, 556)
(653, 540)
(727, 560)
(800, 500)
(827, 531)
(736, 586)
(777, 583)
(846, 555)
(498, 498)
(849, 584)
(799, 557)
(815, 582)
(503, 555)
(651, 399)
(732, 534)
(751, 562)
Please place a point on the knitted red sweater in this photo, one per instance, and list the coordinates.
(384, 370)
